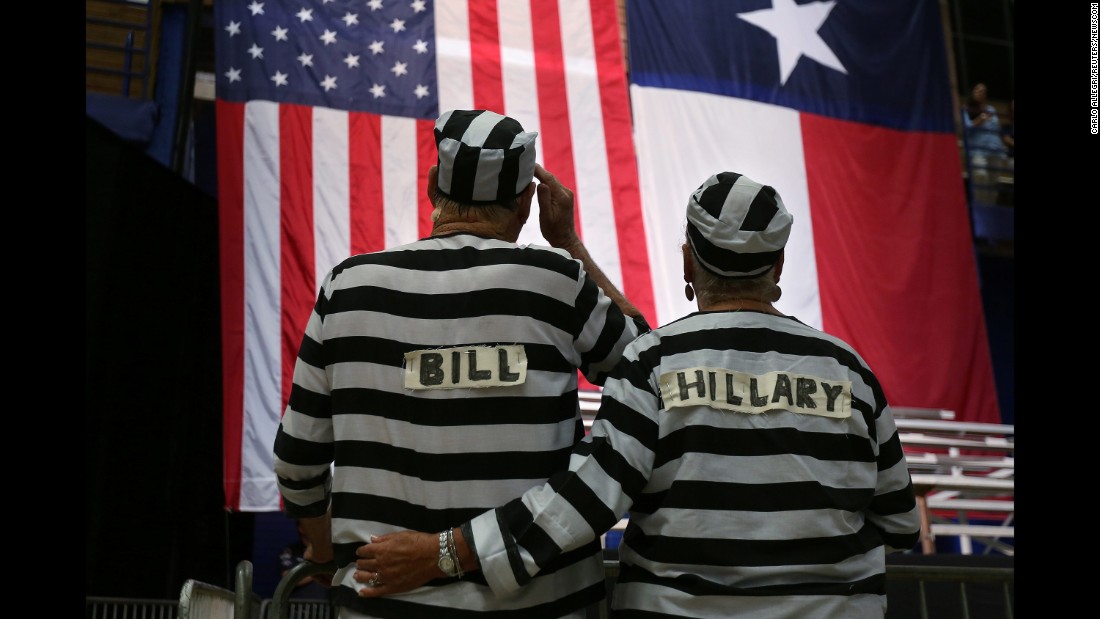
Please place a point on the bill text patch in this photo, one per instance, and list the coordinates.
(466, 367)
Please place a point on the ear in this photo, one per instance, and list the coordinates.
(433, 178)
(523, 212)
(779, 264)
(525, 199)
(689, 264)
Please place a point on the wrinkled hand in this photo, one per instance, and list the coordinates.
(555, 210)
(403, 561)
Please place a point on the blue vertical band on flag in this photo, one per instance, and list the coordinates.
(367, 56)
(877, 62)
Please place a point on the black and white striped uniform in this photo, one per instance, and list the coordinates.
(760, 466)
(439, 380)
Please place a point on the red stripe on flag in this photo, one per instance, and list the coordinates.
(296, 246)
(621, 160)
(555, 133)
(425, 158)
(365, 198)
(230, 153)
(928, 351)
(488, 83)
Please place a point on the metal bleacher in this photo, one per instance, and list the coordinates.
(964, 475)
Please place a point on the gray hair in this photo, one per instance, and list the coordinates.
(712, 289)
(483, 212)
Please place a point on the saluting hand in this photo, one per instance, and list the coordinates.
(555, 210)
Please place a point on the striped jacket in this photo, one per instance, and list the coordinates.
(437, 380)
(760, 468)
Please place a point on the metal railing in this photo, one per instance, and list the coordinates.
(966, 578)
(941, 591)
(923, 576)
(98, 607)
(131, 39)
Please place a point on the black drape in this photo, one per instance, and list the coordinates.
(155, 505)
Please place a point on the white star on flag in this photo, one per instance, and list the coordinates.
(795, 27)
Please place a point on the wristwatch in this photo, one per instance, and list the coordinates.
(448, 562)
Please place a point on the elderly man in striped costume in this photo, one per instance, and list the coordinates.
(755, 456)
(439, 379)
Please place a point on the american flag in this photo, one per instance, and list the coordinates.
(325, 111)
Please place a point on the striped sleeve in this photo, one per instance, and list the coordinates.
(894, 508)
(605, 331)
(304, 440)
(607, 471)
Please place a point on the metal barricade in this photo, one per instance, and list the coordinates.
(282, 606)
(947, 592)
(940, 592)
(200, 600)
(101, 607)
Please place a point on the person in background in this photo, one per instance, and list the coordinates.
(1006, 194)
(757, 457)
(985, 149)
(439, 379)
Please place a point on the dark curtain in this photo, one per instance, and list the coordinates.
(155, 505)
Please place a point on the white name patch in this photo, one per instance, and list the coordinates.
(466, 367)
(745, 393)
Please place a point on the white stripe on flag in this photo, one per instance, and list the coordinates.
(589, 148)
(761, 141)
(399, 179)
(262, 313)
(452, 55)
(517, 60)
(331, 201)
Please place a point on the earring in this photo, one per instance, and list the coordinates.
(689, 292)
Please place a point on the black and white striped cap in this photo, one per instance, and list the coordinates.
(736, 226)
(484, 157)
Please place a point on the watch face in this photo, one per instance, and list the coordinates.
(447, 565)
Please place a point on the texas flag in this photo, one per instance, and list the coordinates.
(845, 108)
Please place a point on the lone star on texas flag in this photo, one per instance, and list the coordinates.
(795, 27)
